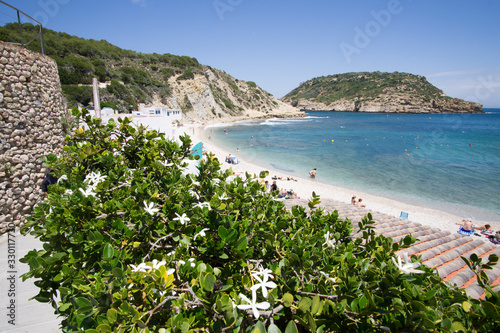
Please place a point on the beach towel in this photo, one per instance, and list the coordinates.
(404, 216)
(197, 152)
(466, 232)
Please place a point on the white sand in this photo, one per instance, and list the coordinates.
(305, 186)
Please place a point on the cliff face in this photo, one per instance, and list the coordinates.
(217, 95)
(376, 92)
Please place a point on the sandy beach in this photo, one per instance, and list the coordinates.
(304, 187)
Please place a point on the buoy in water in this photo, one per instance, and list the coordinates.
(333, 141)
(416, 147)
(407, 154)
(405, 149)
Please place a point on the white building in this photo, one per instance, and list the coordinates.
(105, 111)
(158, 111)
(154, 117)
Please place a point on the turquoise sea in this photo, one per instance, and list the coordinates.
(450, 162)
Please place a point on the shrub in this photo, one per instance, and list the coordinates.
(133, 242)
(187, 75)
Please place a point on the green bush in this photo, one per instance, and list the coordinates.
(187, 75)
(133, 242)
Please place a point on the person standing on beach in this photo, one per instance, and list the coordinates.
(353, 200)
(312, 173)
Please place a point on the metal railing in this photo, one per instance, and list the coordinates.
(40, 31)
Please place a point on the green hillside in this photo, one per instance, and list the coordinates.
(376, 88)
(127, 77)
(79, 60)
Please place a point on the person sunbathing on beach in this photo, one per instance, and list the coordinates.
(360, 204)
(466, 228)
(495, 239)
(353, 200)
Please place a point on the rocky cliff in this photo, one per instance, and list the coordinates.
(376, 92)
(216, 95)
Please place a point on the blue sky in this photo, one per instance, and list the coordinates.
(278, 44)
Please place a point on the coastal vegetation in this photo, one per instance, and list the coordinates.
(133, 242)
(128, 77)
(375, 91)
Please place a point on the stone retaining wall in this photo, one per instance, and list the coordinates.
(31, 105)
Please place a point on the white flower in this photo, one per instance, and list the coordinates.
(223, 197)
(170, 271)
(195, 194)
(88, 191)
(328, 241)
(408, 267)
(328, 278)
(202, 204)
(95, 178)
(264, 272)
(165, 164)
(63, 177)
(157, 264)
(149, 208)
(264, 285)
(201, 233)
(253, 305)
(196, 183)
(170, 253)
(191, 260)
(68, 192)
(183, 219)
(142, 267)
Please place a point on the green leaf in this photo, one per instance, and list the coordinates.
(117, 272)
(108, 251)
(83, 304)
(208, 282)
(103, 328)
(242, 244)
(291, 327)
(315, 304)
(259, 326)
(288, 300)
(466, 305)
(305, 304)
(111, 315)
(363, 301)
(222, 232)
(273, 329)
(491, 310)
(457, 326)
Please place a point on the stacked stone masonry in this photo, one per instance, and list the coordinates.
(31, 105)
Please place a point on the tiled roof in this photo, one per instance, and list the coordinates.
(437, 248)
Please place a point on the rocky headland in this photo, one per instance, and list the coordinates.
(376, 92)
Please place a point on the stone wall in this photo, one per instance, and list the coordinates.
(31, 105)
